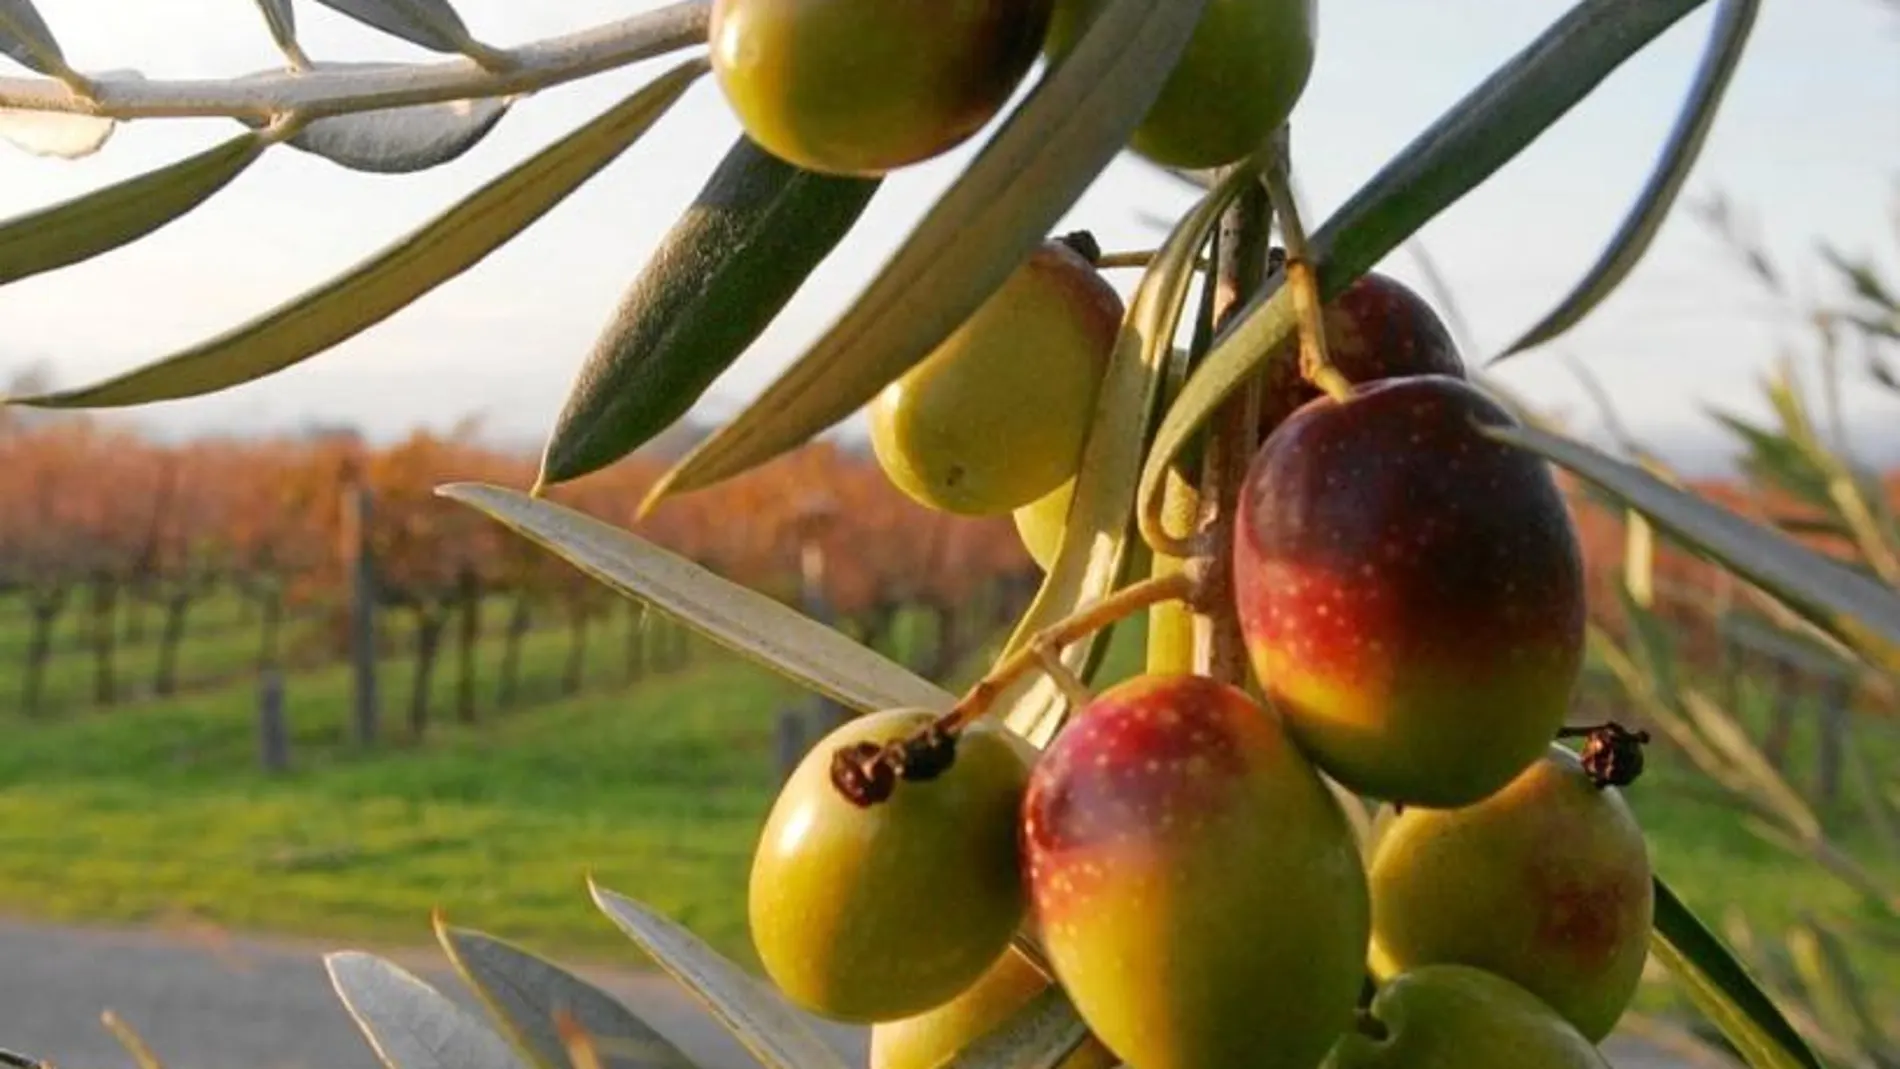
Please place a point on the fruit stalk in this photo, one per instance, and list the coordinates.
(867, 774)
(1316, 363)
(1220, 651)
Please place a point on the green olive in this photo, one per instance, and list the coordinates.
(998, 415)
(862, 87)
(1243, 70)
(929, 1040)
(1041, 522)
(878, 913)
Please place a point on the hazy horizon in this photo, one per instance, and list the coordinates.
(1807, 146)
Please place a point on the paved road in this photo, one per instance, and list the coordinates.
(227, 1003)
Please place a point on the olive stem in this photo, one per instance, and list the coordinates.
(866, 773)
(1316, 362)
(1049, 658)
(1112, 609)
(1136, 258)
(1220, 650)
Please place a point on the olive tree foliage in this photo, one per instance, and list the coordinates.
(1073, 122)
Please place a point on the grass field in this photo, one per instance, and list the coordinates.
(158, 813)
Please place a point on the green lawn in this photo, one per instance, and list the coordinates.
(157, 811)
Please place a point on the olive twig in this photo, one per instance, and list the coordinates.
(1220, 650)
(1612, 754)
(1316, 363)
(1112, 609)
(1138, 258)
(867, 773)
(1049, 658)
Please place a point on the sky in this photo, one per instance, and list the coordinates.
(1807, 147)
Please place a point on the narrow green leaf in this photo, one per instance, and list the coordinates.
(17, 1061)
(1483, 132)
(1768, 788)
(1883, 812)
(1070, 127)
(1724, 991)
(399, 140)
(1040, 1035)
(525, 993)
(65, 135)
(1859, 611)
(1837, 992)
(794, 645)
(142, 1054)
(432, 24)
(389, 281)
(25, 37)
(105, 219)
(409, 1024)
(757, 230)
(1093, 557)
(1657, 644)
(757, 1016)
(282, 20)
(1733, 22)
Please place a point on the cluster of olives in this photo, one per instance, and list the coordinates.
(864, 87)
(1182, 853)
(1187, 859)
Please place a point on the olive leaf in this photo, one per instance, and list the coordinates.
(1768, 787)
(1040, 1035)
(86, 226)
(141, 1052)
(1046, 153)
(66, 135)
(757, 230)
(399, 140)
(1836, 991)
(526, 993)
(1734, 20)
(409, 1024)
(1846, 604)
(796, 646)
(1724, 991)
(1093, 557)
(25, 37)
(282, 20)
(433, 24)
(761, 1020)
(1483, 132)
(386, 283)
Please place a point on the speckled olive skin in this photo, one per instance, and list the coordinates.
(863, 87)
(1243, 71)
(1454, 1017)
(1546, 883)
(880, 913)
(997, 416)
(1378, 328)
(1411, 591)
(1199, 891)
(928, 1040)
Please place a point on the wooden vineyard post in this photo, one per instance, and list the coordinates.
(273, 734)
(803, 724)
(359, 570)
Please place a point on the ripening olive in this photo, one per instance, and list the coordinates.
(863, 87)
(881, 912)
(997, 416)
(1237, 81)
